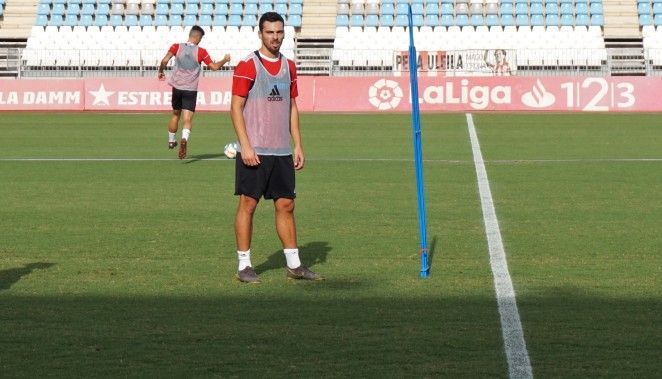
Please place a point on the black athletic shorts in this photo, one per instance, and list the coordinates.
(273, 178)
(183, 99)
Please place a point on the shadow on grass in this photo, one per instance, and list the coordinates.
(311, 254)
(271, 332)
(9, 277)
(432, 252)
(201, 157)
(285, 332)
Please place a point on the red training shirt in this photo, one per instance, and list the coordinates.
(203, 55)
(245, 73)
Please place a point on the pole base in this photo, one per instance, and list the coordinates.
(425, 267)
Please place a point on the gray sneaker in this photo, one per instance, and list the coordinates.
(302, 272)
(248, 275)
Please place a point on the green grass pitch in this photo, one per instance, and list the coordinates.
(117, 259)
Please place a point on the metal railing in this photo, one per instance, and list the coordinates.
(32, 63)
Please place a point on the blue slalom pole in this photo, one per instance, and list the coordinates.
(418, 150)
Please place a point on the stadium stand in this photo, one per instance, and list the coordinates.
(650, 20)
(166, 12)
(520, 25)
(463, 13)
(152, 26)
(360, 35)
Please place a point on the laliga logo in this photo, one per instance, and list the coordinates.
(385, 94)
(538, 97)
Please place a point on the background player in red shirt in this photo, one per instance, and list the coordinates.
(184, 81)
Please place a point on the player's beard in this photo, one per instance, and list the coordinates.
(274, 47)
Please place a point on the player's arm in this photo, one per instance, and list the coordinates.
(164, 63)
(217, 65)
(295, 131)
(487, 62)
(248, 155)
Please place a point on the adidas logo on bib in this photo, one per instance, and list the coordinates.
(275, 95)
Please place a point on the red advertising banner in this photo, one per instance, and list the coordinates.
(37, 94)
(151, 94)
(463, 94)
(352, 94)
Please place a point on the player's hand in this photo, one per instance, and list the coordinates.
(249, 157)
(226, 58)
(298, 158)
(161, 75)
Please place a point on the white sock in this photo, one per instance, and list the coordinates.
(244, 259)
(186, 133)
(292, 256)
(172, 137)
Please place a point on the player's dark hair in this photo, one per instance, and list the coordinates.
(198, 29)
(270, 17)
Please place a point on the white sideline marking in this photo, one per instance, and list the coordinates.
(519, 365)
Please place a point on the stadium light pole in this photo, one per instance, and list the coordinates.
(418, 150)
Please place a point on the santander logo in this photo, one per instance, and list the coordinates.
(538, 97)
